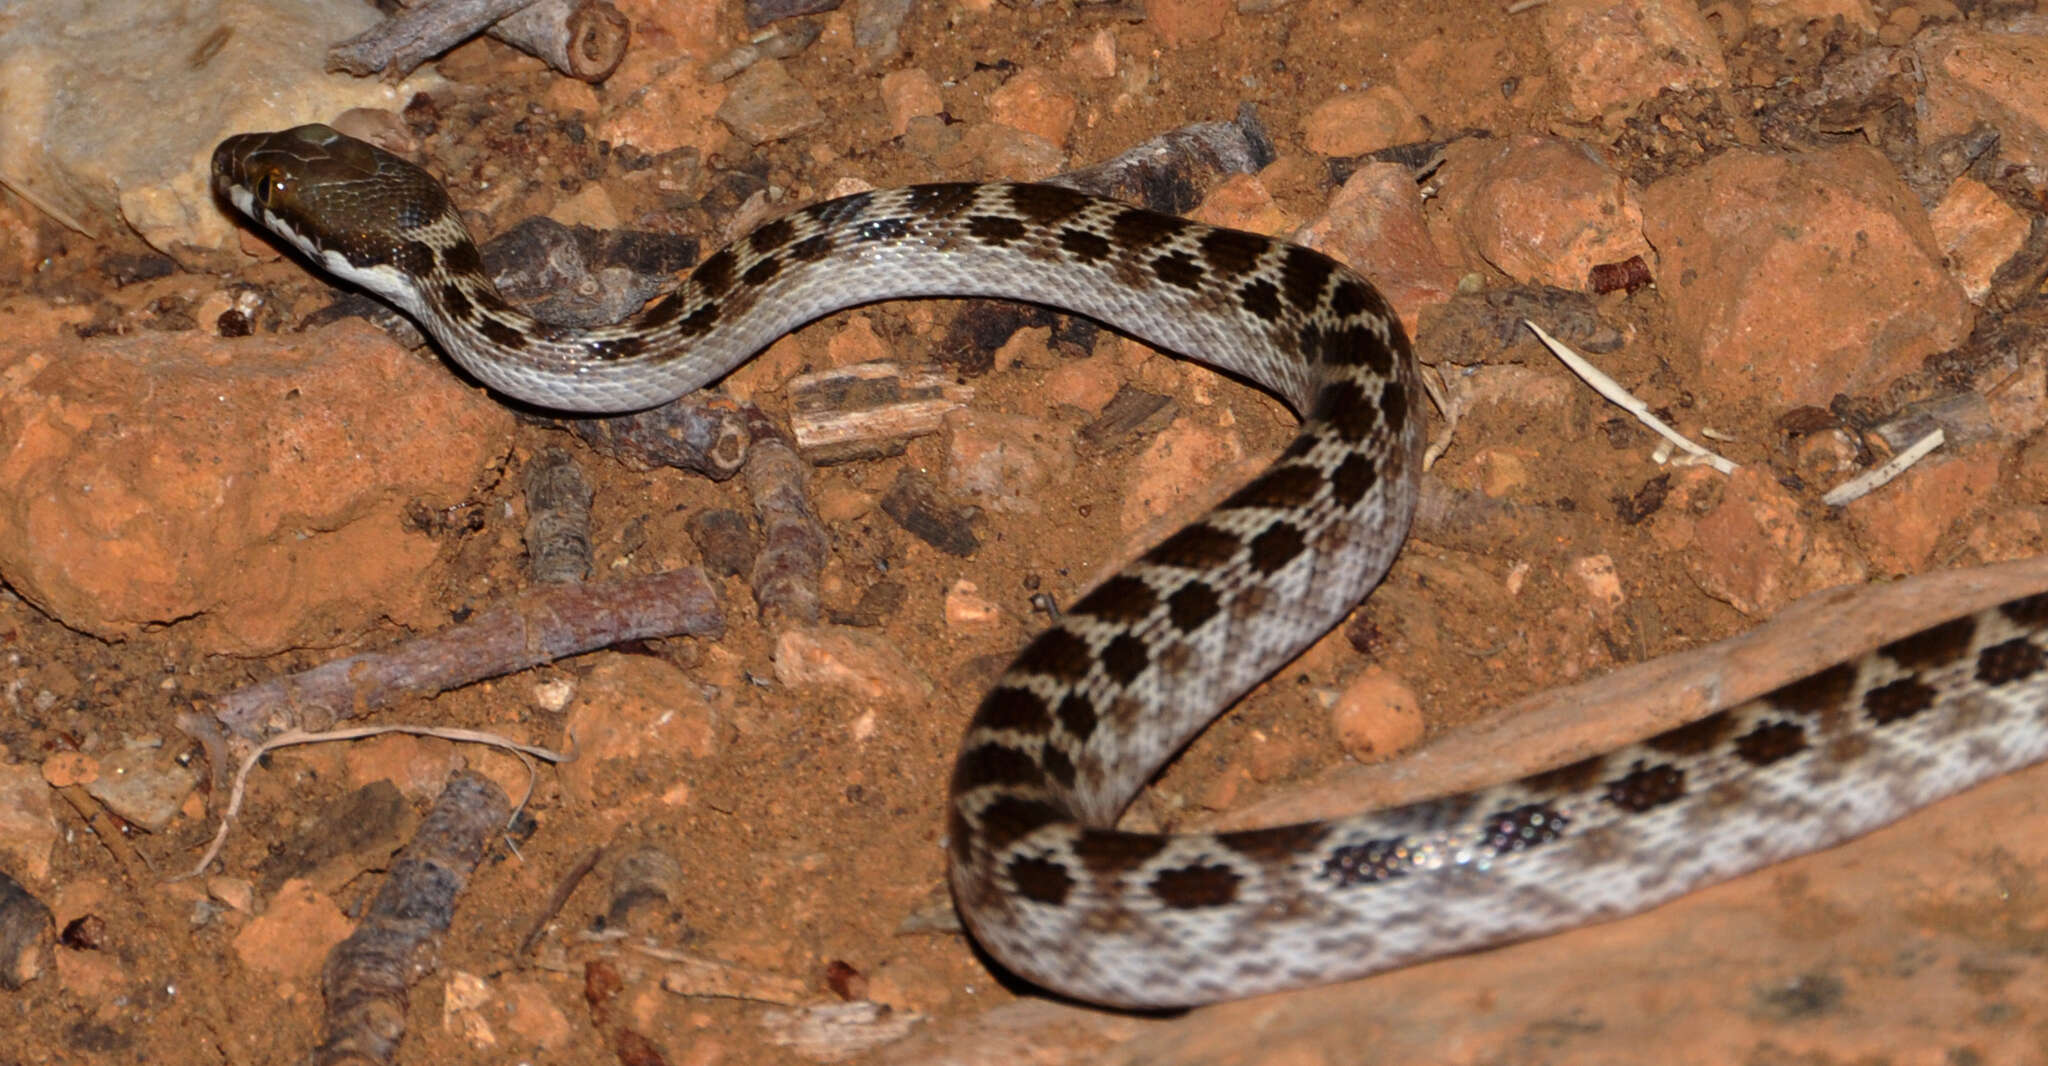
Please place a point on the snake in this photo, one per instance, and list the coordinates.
(1095, 703)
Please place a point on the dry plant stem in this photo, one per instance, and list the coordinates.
(581, 38)
(584, 39)
(398, 45)
(557, 519)
(100, 821)
(694, 433)
(1179, 161)
(366, 978)
(536, 627)
(793, 542)
(559, 898)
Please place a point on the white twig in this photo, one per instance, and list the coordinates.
(1610, 388)
(1868, 481)
(297, 736)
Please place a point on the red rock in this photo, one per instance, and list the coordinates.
(418, 766)
(857, 343)
(533, 1014)
(1004, 461)
(1615, 54)
(1183, 21)
(1179, 465)
(1374, 225)
(1799, 277)
(1096, 56)
(1088, 384)
(292, 936)
(676, 110)
(1356, 123)
(627, 708)
(996, 150)
(1903, 521)
(1242, 201)
(1798, 14)
(1377, 716)
(28, 825)
(1539, 209)
(866, 666)
(1756, 551)
(1979, 231)
(1979, 76)
(908, 94)
(1458, 79)
(767, 104)
(1600, 582)
(251, 491)
(1033, 101)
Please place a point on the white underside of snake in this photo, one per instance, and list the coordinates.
(1094, 705)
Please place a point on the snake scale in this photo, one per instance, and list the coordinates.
(1095, 704)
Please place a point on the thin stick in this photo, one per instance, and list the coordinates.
(1870, 480)
(1627, 401)
(95, 816)
(285, 740)
(560, 898)
(536, 627)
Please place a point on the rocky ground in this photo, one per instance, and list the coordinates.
(1806, 233)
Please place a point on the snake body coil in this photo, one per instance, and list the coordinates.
(1094, 705)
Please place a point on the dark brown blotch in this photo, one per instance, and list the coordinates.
(1011, 707)
(501, 333)
(1196, 547)
(456, 301)
(1302, 276)
(1276, 546)
(1196, 886)
(1192, 606)
(1179, 269)
(1770, 742)
(2014, 660)
(941, 200)
(1569, 778)
(463, 258)
(1232, 252)
(417, 259)
(1058, 654)
(2028, 611)
(1353, 478)
(996, 764)
(1125, 657)
(1354, 297)
(1276, 846)
(812, 248)
(1058, 766)
(700, 321)
(1369, 863)
(1523, 827)
(1137, 228)
(762, 272)
(1087, 246)
(1933, 646)
(713, 276)
(1123, 600)
(1046, 204)
(1343, 406)
(1646, 787)
(1816, 693)
(1077, 716)
(1262, 299)
(662, 312)
(1008, 819)
(1282, 487)
(615, 348)
(1693, 738)
(1108, 853)
(1040, 880)
(769, 238)
(995, 229)
(1897, 701)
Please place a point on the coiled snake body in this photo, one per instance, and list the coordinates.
(1093, 706)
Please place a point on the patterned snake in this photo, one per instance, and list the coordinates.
(1095, 704)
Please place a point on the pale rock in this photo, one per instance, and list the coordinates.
(1377, 716)
(865, 666)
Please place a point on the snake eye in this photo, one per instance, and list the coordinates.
(271, 189)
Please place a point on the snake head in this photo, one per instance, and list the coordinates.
(365, 214)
